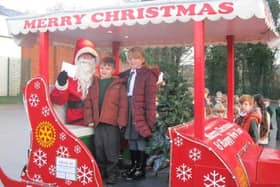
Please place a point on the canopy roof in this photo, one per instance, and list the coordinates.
(153, 23)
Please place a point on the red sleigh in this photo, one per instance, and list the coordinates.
(226, 156)
(56, 156)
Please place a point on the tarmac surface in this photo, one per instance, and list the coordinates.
(14, 138)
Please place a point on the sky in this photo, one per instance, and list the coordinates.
(35, 6)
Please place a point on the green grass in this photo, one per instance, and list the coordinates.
(10, 99)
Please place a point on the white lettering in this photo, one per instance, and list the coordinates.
(228, 140)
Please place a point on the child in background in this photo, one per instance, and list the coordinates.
(141, 91)
(249, 118)
(219, 110)
(106, 110)
(265, 122)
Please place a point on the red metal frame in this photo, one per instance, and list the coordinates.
(116, 54)
(199, 82)
(230, 77)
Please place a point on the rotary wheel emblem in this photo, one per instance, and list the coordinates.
(45, 134)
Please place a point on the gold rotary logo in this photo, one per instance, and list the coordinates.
(45, 134)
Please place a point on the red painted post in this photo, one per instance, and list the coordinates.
(44, 55)
(116, 53)
(230, 78)
(199, 82)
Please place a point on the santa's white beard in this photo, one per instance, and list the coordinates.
(84, 74)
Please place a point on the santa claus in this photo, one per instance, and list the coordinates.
(73, 90)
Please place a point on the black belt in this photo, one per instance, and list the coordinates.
(75, 104)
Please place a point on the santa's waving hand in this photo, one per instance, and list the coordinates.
(72, 91)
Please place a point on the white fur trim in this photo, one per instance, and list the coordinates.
(87, 50)
(61, 88)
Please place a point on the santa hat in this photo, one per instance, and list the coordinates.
(85, 46)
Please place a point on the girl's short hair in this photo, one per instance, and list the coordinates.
(248, 98)
(219, 108)
(136, 52)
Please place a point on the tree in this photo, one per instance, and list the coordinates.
(254, 69)
(257, 69)
(275, 10)
(215, 68)
(254, 66)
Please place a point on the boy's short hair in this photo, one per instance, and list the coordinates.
(248, 98)
(108, 61)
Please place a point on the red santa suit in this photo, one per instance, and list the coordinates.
(72, 93)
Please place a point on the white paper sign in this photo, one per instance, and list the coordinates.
(66, 168)
(69, 68)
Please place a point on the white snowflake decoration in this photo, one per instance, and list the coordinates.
(62, 136)
(62, 152)
(34, 100)
(195, 154)
(178, 141)
(37, 85)
(184, 172)
(214, 179)
(68, 182)
(40, 158)
(52, 170)
(45, 111)
(77, 149)
(84, 175)
(37, 178)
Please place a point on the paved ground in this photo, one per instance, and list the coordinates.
(14, 138)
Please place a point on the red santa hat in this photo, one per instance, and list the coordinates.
(85, 46)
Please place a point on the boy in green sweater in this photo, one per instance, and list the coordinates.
(106, 109)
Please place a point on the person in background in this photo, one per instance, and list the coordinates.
(265, 120)
(207, 103)
(73, 90)
(269, 110)
(106, 109)
(249, 118)
(218, 97)
(277, 113)
(236, 111)
(236, 107)
(219, 110)
(141, 91)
